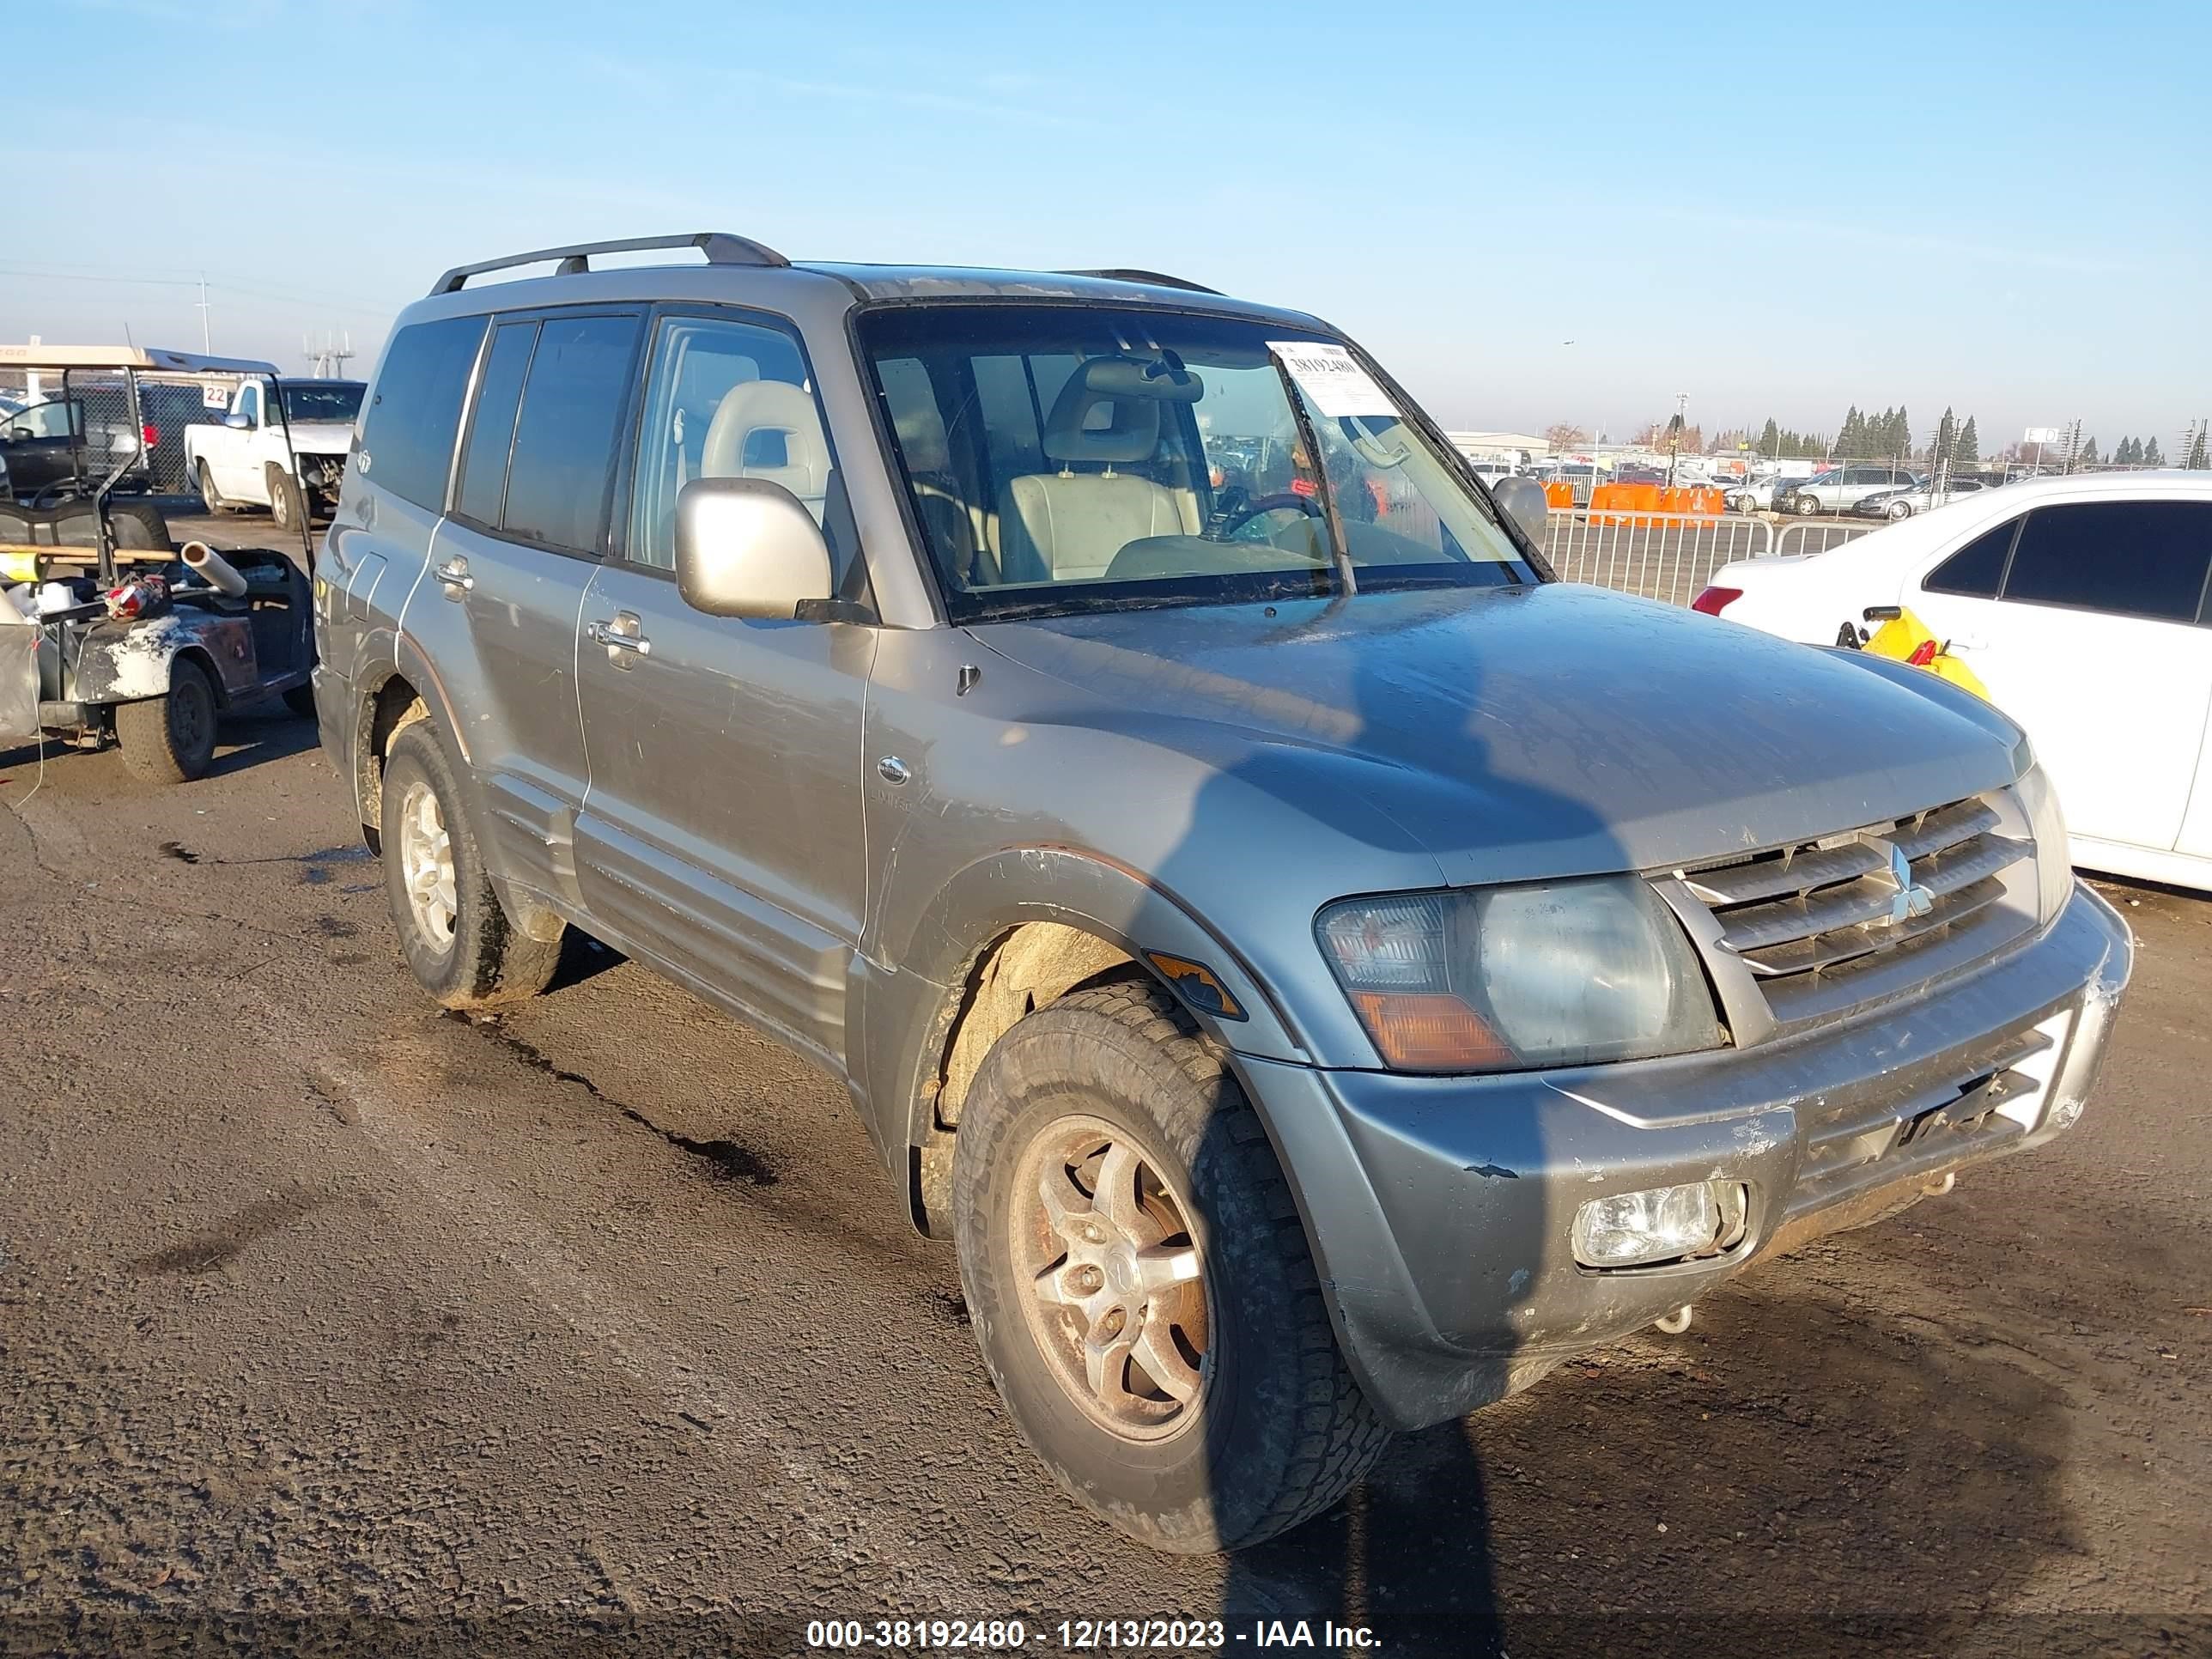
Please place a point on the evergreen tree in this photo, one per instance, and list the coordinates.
(1946, 434)
(1851, 437)
(1770, 439)
(1968, 449)
(1900, 435)
(2125, 455)
(2088, 455)
(2150, 455)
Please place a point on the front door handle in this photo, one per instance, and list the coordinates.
(453, 575)
(623, 637)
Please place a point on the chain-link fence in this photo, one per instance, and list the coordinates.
(65, 432)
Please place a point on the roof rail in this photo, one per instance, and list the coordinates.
(720, 246)
(1159, 279)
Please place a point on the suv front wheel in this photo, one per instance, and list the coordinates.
(453, 932)
(1139, 1282)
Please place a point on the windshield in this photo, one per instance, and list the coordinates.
(323, 403)
(1070, 457)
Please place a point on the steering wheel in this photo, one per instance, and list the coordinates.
(1234, 511)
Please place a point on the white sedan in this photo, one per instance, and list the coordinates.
(2082, 605)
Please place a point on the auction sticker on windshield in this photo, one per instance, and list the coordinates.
(1332, 379)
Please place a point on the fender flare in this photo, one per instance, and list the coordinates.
(908, 997)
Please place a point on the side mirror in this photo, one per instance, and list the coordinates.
(239, 420)
(748, 547)
(1522, 501)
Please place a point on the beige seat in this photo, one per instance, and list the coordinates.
(1067, 525)
(783, 411)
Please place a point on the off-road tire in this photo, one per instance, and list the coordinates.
(1283, 1431)
(212, 498)
(170, 740)
(489, 961)
(288, 505)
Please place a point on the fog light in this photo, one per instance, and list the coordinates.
(1630, 1230)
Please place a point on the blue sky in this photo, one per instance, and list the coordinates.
(2007, 209)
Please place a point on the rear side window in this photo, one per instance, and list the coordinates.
(564, 438)
(407, 441)
(491, 433)
(2127, 558)
(1976, 569)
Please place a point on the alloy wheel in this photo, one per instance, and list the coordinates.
(1116, 1287)
(426, 861)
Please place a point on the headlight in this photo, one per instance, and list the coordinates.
(1567, 972)
(2054, 859)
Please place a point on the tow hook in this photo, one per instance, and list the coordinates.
(1937, 1188)
(1675, 1322)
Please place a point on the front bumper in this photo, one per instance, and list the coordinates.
(1438, 1208)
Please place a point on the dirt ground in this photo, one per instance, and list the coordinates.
(330, 1324)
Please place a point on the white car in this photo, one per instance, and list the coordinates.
(2081, 603)
(244, 461)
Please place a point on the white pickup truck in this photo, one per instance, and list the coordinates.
(243, 461)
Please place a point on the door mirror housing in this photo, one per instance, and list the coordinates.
(748, 547)
(239, 420)
(1522, 501)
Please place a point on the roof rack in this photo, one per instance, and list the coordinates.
(1159, 279)
(718, 246)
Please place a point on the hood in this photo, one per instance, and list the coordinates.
(1551, 730)
(321, 437)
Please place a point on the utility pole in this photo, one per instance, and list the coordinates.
(207, 347)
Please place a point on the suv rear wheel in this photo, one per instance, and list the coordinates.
(1139, 1282)
(453, 932)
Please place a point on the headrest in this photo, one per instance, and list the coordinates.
(753, 406)
(1132, 392)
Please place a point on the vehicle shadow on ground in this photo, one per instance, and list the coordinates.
(1794, 1475)
(256, 738)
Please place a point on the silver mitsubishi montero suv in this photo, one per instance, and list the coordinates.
(1320, 970)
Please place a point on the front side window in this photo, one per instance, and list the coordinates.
(2144, 559)
(1064, 457)
(46, 420)
(562, 466)
(415, 412)
(724, 399)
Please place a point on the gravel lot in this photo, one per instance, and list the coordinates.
(330, 1324)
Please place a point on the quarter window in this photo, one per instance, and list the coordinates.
(2127, 558)
(725, 400)
(1977, 570)
(562, 462)
(407, 441)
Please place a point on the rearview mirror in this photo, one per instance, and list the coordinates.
(748, 547)
(1522, 501)
(239, 420)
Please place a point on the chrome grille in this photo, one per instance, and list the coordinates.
(1825, 925)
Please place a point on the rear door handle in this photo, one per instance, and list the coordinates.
(623, 637)
(1965, 643)
(454, 575)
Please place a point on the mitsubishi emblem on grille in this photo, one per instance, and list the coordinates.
(1909, 900)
